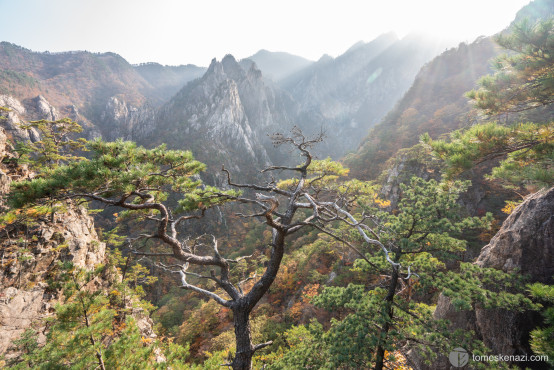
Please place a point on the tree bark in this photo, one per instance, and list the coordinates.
(388, 309)
(243, 339)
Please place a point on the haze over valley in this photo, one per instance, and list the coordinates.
(377, 204)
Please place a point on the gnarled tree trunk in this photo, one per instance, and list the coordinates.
(243, 339)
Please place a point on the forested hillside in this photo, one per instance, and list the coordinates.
(180, 217)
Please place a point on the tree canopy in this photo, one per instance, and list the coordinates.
(524, 78)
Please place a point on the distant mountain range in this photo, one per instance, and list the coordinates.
(276, 65)
(225, 111)
(436, 104)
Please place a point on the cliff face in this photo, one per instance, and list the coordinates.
(29, 252)
(25, 297)
(122, 120)
(525, 242)
(34, 109)
(224, 118)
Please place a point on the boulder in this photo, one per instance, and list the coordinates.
(524, 243)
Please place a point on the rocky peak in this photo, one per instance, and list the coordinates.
(230, 112)
(214, 68)
(44, 109)
(325, 58)
(254, 72)
(231, 68)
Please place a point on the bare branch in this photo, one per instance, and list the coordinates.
(261, 345)
(185, 285)
(236, 260)
(273, 168)
(368, 239)
(254, 186)
(189, 217)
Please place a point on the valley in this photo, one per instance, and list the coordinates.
(377, 209)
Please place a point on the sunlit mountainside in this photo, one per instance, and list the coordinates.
(388, 208)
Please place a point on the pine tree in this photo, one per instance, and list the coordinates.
(416, 242)
(542, 338)
(92, 327)
(526, 151)
(524, 80)
(140, 181)
(55, 147)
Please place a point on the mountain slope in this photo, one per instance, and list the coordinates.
(351, 93)
(102, 91)
(223, 118)
(276, 65)
(72, 78)
(168, 80)
(435, 103)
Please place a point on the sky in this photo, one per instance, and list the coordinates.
(175, 32)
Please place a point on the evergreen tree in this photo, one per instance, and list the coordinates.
(523, 80)
(526, 151)
(542, 338)
(93, 327)
(140, 181)
(55, 147)
(391, 311)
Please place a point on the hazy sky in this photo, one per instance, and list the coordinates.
(186, 31)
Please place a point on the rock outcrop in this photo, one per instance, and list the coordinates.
(10, 120)
(25, 298)
(122, 120)
(525, 243)
(224, 118)
(29, 252)
(44, 109)
(526, 240)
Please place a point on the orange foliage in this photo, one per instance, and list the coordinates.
(399, 363)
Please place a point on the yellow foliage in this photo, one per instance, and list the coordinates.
(296, 310)
(381, 203)
(509, 207)
(399, 363)
(146, 340)
(322, 172)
